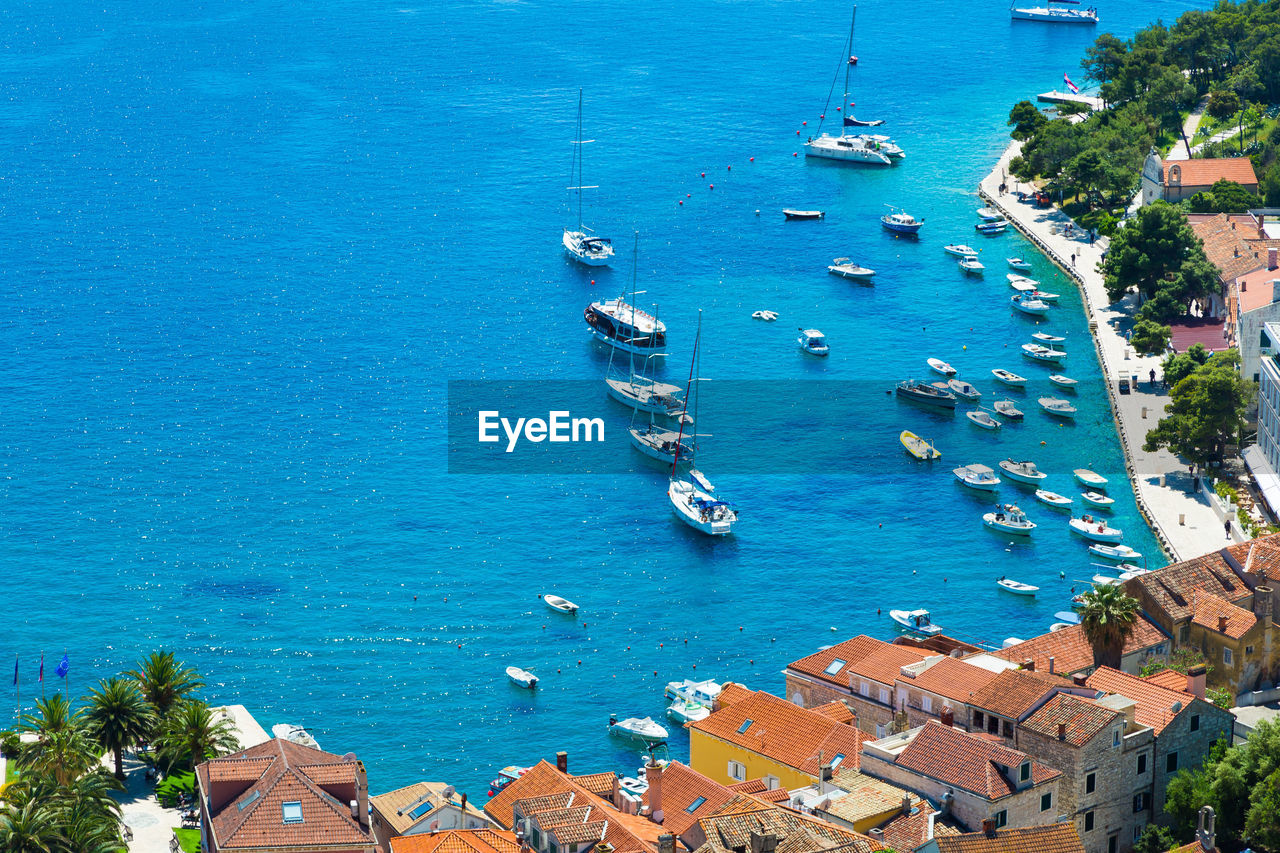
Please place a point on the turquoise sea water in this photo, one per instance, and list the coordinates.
(247, 248)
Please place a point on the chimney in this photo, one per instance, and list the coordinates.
(989, 827)
(464, 805)
(1271, 257)
(948, 799)
(766, 843)
(1204, 829)
(1029, 665)
(947, 716)
(562, 762)
(906, 804)
(1062, 731)
(666, 843)
(355, 810)
(1262, 603)
(653, 775)
(1195, 680)
(362, 793)
(1222, 624)
(1079, 680)
(877, 834)
(1051, 665)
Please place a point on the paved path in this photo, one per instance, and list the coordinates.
(152, 824)
(1185, 523)
(1189, 127)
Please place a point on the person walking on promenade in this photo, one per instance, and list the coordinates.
(1227, 526)
(1073, 259)
(1153, 377)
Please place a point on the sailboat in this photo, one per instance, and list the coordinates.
(855, 148)
(693, 498)
(582, 245)
(636, 390)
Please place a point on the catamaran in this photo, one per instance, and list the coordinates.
(582, 245)
(854, 148)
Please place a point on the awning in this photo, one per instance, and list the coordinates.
(1266, 478)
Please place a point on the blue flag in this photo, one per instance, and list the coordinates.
(15, 671)
(63, 667)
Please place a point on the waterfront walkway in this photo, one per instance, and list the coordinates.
(1184, 521)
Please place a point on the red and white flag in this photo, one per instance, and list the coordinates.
(1075, 90)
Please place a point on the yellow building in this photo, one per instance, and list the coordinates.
(755, 735)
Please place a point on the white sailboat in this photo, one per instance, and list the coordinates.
(582, 245)
(641, 392)
(851, 148)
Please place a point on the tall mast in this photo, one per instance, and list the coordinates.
(849, 52)
(579, 138)
(696, 360)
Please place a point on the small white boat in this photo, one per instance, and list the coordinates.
(990, 228)
(1057, 407)
(294, 734)
(1014, 278)
(1009, 519)
(1119, 553)
(982, 419)
(813, 342)
(845, 268)
(971, 264)
(940, 366)
(1008, 377)
(702, 692)
(917, 446)
(1053, 498)
(1058, 626)
(632, 789)
(963, 389)
(1063, 381)
(1130, 571)
(638, 728)
(1046, 338)
(1024, 472)
(792, 213)
(1029, 305)
(987, 214)
(688, 712)
(1105, 580)
(1044, 296)
(1018, 263)
(1068, 616)
(1008, 409)
(978, 477)
(1022, 286)
(522, 678)
(562, 605)
(960, 250)
(1088, 478)
(1095, 529)
(1036, 352)
(1097, 499)
(1017, 587)
(916, 621)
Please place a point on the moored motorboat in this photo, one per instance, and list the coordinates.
(963, 389)
(1015, 278)
(1036, 352)
(1053, 498)
(1105, 580)
(1008, 377)
(1043, 296)
(1118, 553)
(923, 392)
(916, 621)
(688, 712)
(1009, 519)
(1089, 478)
(522, 677)
(1063, 381)
(1046, 338)
(982, 419)
(1024, 471)
(1029, 304)
(1022, 286)
(991, 228)
(619, 324)
(971, 264)
(1097, 499)
(1095, 529)
(792, 213)
(813, 342)
(900, 222)
(987, 214)
(562, 605)
(917, 446)
(294, 734)
(1018, 263)
(638, 728)
(1008, 409)
(940, 366)
(688, 690)
(1017, 587)
(1130, 572)
(978, 477)
(960, 250)
(1057, 407)
(505, 777)
(846, 268)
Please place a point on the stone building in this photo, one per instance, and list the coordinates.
(1176, 180)
(861, 671)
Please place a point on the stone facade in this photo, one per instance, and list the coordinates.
(1188, 737)
(872, 716)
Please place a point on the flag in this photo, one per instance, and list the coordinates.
(1075, 90)
(63, 667)
(15, 672)
(42, 669)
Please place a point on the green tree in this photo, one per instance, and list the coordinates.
(1181, 365)
(1262, 825)
(190, 735)
(1223, 197)
(165, 681)
(30, 828)
(1150, 249)
(119, 717)
(61, 748)
(1026, 120)
(1108, 616)
(1223, 104)
(1155, 839)
(1149, 337)
(1104, 59)
(1205, 412)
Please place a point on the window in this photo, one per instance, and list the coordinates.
(771, 783)
(835, 762)
(1024, 772)
(1002, 817)
(1137, 831)
(977, 720)
(1226, 656)
(746, 724)
(1171, 763)
(926, 703)
(1142, 764)
(1008, 729)
(693, 807)
(737, 772)
(421, 809)
(1195, 722)
(834, 667)
(1184, 633)
(292, 812)
(1090, 782)
(884, 695)
(866, 690)
(1141, 802)
(1046, 801)
(1111, 843)
(1248, 650)
(248, 801)
(1088, 821)
(1115, 737)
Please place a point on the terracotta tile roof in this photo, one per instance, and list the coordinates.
(777, 795)
(579, 833)
(1210, 609)
(1193, 847)
(873, 659)
(1071, 652)
(394, 806)
(1083, 718)
(796, 833)
(600, 784)
(539, 804)
(733, 692)
(681, 788)
(1226, 248)
(231, 769)
(255, 817)
(1207, 171)
(560, 817)
(1171, 588)
(1261, 554)
(952, 678)
(751, 786)
(1047, 838)
(1154, 704)
(457, 841)
(1015, 692)
(867, 797)
(784, 732)
(837, 711)
(1170, 679)
(909, 831)
(960, 759)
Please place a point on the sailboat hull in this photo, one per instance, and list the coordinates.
(660, 447)
(683, 496)
(646, 398)
(845, 149)
(576, 248)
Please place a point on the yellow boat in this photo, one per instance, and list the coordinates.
(917, 446)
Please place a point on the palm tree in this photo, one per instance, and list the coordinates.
(191, 734)
(62, 749)
(118, 717)
(165, 681)
(52, 715)
(30, 828)
(1108, 617)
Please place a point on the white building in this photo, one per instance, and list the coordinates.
(1263, 458)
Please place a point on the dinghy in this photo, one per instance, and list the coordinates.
(1045, 296)
(963, 389)
(1046, 338)
(522, 678)
(941, 366)
(915, 621)
(1018, 263)
(960, 250)
(1025, 472)
(688, 712)
(1119, 553)
(1053, 498)
(1063, 381)
(792, 213)
(1057, 407)
(1035, 352)
(987, 214)
(1016, 587)
(1089, 478)
(1097, 499)
(1008, 377)
(917, 446)
(1008, 409)
(563, 605)
(1007, 518)
(1095, 529)
(982, 419)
